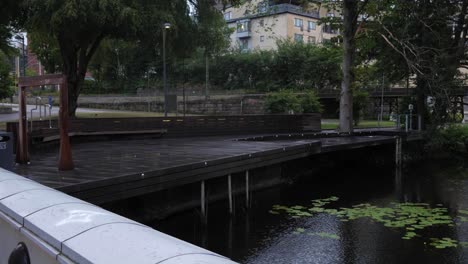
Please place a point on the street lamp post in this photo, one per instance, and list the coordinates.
(166, 26)
(23, 54)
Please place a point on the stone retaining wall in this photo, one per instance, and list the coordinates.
(6, 110)
(214, 105)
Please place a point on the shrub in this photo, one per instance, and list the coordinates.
(360, 101)
(282, 102)
(6, 81)
(450, 139)
(310, 103)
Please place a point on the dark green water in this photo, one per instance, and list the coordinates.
(258, 236)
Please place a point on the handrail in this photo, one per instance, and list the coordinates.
(35, 109)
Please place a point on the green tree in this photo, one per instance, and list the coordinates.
(79, 27)
(427, 40)
(10, 18)
(214, 35)
(46, 48)
(6, 81)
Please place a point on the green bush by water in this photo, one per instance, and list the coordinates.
(449, 140)
(285, 101)
(310, 103)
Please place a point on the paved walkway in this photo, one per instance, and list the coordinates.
(15, 115)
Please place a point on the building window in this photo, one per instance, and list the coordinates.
(261, 22)
(329, 29)
(243, 26)
(262, 38)
(298, 22)
(298, 38)
(227, 15)
(311, 40)
(312, 25)
(262, 7)
(244, 44)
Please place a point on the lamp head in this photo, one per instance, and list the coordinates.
(167, 25)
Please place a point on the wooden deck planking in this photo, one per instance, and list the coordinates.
(113, 170)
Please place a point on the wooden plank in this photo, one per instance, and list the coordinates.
(169, 180)
(33, 81)
(123, 191)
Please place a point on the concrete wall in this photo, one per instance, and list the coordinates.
(234, 106)
(57, 228)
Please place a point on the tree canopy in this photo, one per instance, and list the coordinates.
(79, 27)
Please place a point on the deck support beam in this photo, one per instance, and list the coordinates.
(247, 191)
(398, 151)
(202, 200)
(231, 207)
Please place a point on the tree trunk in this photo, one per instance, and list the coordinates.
(76, 59)
(74, 88)
(207, 75)
(350, 10)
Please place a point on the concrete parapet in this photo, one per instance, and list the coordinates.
(51, 227)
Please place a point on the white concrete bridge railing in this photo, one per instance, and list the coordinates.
(41, 225)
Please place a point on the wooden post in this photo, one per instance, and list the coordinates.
(65, 155)
(202, 200)
(247, 194)
(230, 194)
(22, 154)
(398, 150)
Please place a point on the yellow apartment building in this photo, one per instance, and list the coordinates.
(259, 24)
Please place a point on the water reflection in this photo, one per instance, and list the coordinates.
(260, 237)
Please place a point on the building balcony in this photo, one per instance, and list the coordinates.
(244, 34)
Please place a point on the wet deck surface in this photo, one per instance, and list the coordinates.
(108, 170)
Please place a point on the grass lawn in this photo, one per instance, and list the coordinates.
(333, 124)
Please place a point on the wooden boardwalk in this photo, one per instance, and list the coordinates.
(114, 170)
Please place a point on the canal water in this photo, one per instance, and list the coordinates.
(347, 215)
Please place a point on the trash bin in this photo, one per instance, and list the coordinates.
(6, 150)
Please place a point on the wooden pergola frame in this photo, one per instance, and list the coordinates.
(22, 154)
